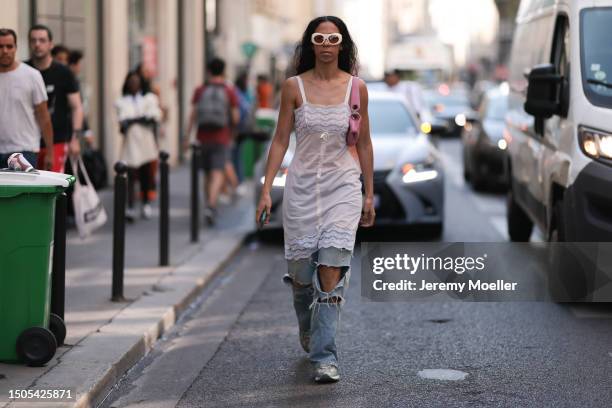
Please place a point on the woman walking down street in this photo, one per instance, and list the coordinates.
(322, 202)
(139, 114)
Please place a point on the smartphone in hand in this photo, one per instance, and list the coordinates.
(262, 218)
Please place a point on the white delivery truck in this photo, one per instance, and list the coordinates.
(559, 125)
(424, 56)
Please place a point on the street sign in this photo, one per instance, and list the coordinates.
(249, 49)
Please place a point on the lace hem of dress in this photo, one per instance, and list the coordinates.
(304, 246)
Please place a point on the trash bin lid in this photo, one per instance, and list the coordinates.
(17, 182)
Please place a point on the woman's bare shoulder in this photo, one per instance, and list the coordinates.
(290, 86)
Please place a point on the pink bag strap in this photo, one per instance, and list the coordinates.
(355, 101)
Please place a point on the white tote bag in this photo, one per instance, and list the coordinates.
(89, 212)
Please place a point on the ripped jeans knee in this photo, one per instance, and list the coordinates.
(303, 274)
(331, 257)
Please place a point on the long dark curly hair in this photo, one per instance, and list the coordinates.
(304, 58)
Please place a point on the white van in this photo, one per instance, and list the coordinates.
(559, 125)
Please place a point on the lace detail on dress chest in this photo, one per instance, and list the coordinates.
(333, 119)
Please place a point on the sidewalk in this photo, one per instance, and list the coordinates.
(104, 338)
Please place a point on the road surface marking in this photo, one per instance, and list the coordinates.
(442, 374)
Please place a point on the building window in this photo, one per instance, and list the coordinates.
(65, 18)
(142, 38)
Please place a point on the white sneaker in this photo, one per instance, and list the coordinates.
(209, 216)
(224, 199)
(130, 214)
(241, 190)
(326, 373)
(147, 212)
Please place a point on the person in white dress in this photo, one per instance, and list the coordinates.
(139, 114)
(322, 203)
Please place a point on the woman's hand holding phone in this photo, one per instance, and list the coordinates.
(262, 215)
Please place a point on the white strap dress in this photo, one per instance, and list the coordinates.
(322, 199)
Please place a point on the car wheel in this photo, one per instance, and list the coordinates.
(519, 224)
(466, 166)
(568, 280)
(477, 179)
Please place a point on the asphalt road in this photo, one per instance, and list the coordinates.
(238, 346)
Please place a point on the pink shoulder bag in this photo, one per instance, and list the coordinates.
(355, 119)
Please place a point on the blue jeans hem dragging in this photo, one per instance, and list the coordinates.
(318, 312)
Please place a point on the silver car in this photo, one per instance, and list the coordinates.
(408, 172)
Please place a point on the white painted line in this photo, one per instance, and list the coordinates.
(444, 374)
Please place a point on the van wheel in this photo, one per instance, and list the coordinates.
(568, 280)
(519, 224)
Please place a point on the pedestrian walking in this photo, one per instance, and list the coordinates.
(322, 202)
(75, 64)
(139, 114)
(214, 112)
(147, 76)
(23, 106)
(60, 53)
(410, 90)
(265, 92)
(64, 99)
(244, 128)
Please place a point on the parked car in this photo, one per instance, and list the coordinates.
(408, 172)
(450, 107)
(484, 146)
(559, 134)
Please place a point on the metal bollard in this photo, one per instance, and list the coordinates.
(119, 231)
(195, 213)
(58, 274)
(164, 221)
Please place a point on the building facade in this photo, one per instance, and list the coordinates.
(168, 37)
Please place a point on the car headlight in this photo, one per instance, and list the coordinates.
(279, 179)
(414, 173)
(595, 143)
(426, 128)
(460, 120)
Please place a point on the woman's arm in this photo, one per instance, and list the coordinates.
(280, 143)
(366, 156)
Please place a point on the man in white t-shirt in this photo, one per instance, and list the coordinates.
(23, 106)
(408, 89)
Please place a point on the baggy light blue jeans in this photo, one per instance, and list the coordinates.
(317, 313)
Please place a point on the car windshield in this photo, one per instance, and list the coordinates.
(496, 107)
(389, 117)
(596, 55)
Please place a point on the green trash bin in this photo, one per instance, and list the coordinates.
(27, 215)
(252, 148)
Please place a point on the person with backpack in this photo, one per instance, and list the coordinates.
(214, 112)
